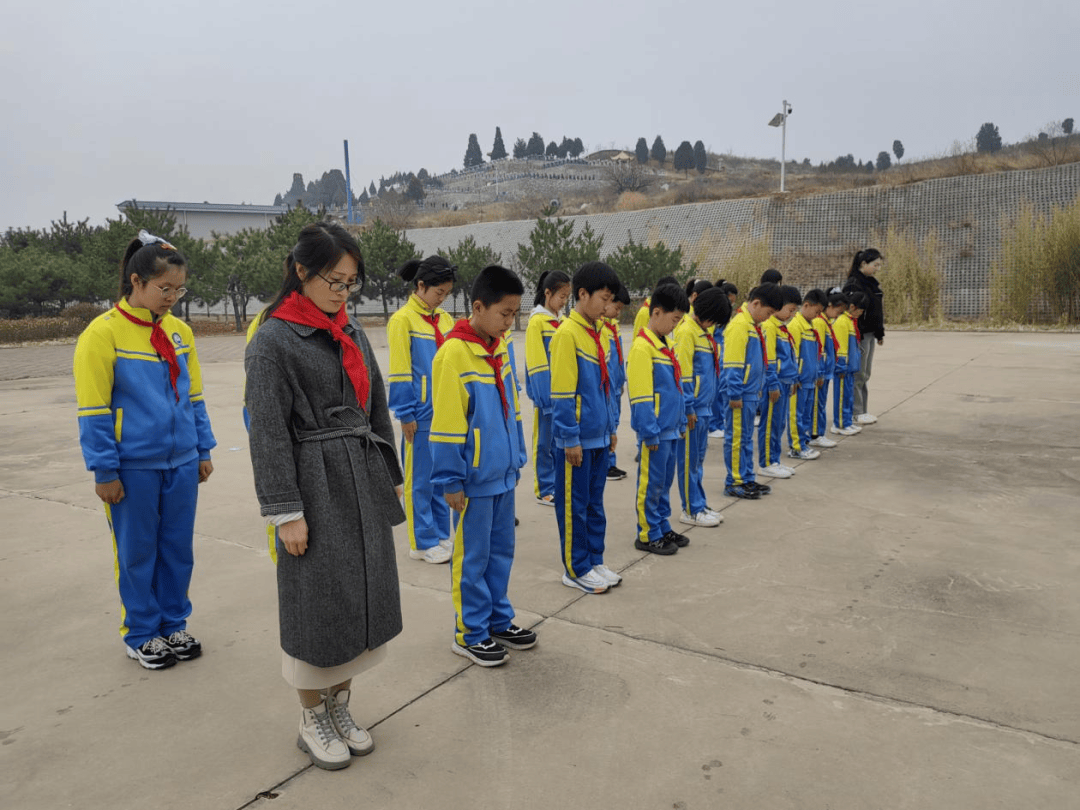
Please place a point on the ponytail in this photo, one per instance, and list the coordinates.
(432, 271)
(863, 256)
(550, 281)
(147, 257)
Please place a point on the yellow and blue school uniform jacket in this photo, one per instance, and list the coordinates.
(616, 371)
(582, 406)
(129, 416)
(807, 349)
(848, 353)
(699, 359)
(743, 374)
(508, 336)
(641, 317)
(475, 446)
(657, 405)
(826, 371)
(411, 337)
(538, 335)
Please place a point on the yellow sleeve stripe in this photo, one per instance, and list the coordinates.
(96, 410)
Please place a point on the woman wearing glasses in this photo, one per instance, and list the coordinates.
(146, 436)
(325, 474)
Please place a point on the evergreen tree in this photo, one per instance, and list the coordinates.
(988, 138)
(684, 157)
(473, 155)
(415, 190)
(576, 147)
(277, 199)
(364, 196)
(371, 190)
(520, 148)
(1067, 126)
(883, 161)
(384, 250)
(498, 150)
(701, 157)
(423, 175)
(536, 146)
(642, 151)
(638, 266)
(552, 150)
(898, 150)
(470, 259)
(553, 246)
(659, 151)
(564, 147)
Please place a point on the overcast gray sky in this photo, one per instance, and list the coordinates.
(222, 101)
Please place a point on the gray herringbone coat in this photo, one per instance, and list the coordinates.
(312, 451)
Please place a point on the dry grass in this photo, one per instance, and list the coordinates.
(912, 281)
(737, 256)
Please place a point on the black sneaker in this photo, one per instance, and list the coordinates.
(742, 491)
(485, 653)
(680, 540)
(659, 546)
(184, 645)
(761, 489)
(515, 638)
(153, 654)
(615, 474)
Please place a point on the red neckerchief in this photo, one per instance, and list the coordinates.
(858, 332)
(433, 319)
(715, 350)
(599, 355)
(162, 345)
(669, 354)
(297, 308)
(835, 342)
(761, 337)
(463, 330)
(645, 304)
(817, 340)
(790, 339)
(615, 338)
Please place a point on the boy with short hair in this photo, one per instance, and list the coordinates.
(743, 377)
(808, 351)
(658, 416)
(584, 429)
(478, 449)
(641, 317)
(836, 303)
(848, 356)
(699, 367)
(616, 367)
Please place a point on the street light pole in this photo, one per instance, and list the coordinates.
(780, 120)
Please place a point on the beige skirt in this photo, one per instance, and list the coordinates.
(302, 675)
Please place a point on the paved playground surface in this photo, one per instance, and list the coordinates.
(897, 626)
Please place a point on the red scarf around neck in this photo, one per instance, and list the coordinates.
(463, 330)
(300, 309)
(599, 354)
(615, 339)
(715, 350)
(433, 319)
(764, 351)
(669, 353)
(162, 345)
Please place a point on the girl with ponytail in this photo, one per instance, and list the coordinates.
(322, 450)
(415, 332)
(552, 293)
(146, 436)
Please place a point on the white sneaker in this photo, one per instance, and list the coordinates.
(719, 516)
(716, 434)
(866, 419)
(851, 430)
(774, 471)
(590, 582)
(448, 544)
(547, 500)
(822, 441)
(435, 554)
(356, 739)
(701, 518)
(757, 420)
(807, 454)
(612, 578)
(791, 470)
(319, 739)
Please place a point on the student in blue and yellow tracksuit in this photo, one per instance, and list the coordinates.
(478, 449)
(414, 333)
(584, 428)
(699, 368)
(848, 339)
(772, 409)
(616, 368)
(787, 370)
(808, 351)
(837, 303)
(641, 317)
(658, 417)
(743, 379)
(146, 436)
(552, 292)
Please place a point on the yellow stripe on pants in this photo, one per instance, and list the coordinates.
(643, 487)
(410, 517)
(736, 445)
(116, 571)
(568, 518)
(793, 423)
(456, 564)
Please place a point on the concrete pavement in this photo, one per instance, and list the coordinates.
(894, 627)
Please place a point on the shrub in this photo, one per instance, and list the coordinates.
(83, 312)
(1037, 276)
(739, 257)
(911, 280)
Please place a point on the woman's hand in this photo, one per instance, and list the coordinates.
(111, 492)
(205, 468)
(881, 341)
(408, 430)
(293, 536)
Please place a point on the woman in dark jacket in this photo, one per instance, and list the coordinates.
(864, 267)
(322, 448)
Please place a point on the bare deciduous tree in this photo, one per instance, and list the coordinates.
(626, 175)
